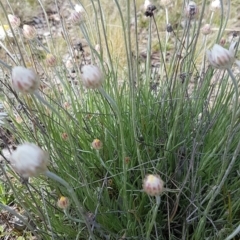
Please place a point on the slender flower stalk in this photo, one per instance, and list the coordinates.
(211, 17)
(167, 33)
(234, 81)
(149, 50)
(29, 160)
(117, 112)
(26, 81)
(74, 197)
(153, 185)
(167, 18)
(155, 210)
(42, 100)
(10, 54)
(206, 30)
(66, 212)
(215, 192)
(222, 58)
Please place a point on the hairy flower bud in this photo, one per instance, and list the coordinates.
(220, 57)
(169, 28)
(97, 144)
(29, 160)
(14, 21)
(63, 202)
(222, 41)
(24, 80)
(191, 10)
(153, 185)
(92, 76)
(64, 136)
(75, 17)
(206, 29)
(29, 32)
(51, 60)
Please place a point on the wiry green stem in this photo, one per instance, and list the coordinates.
(155, 210)
(226, 167)
(117, 112)
(74, 197)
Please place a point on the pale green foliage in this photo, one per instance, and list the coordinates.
(161, 110)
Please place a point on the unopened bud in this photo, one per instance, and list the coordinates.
(75, 17)
(63, 202)
(51, 60)
(153, 185)
(64, 136)
(220, 57)
(97, 144)
(206, 29)
(29, 32)
(222, 41)
(191, 10)
(14, 21)
(169, 28)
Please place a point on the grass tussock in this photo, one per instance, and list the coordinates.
(118, 104)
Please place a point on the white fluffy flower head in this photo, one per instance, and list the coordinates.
(220, 57)
(153, 185)
(77, 15)
(147, 3)
(215, 5)
(24, 80)
(79, 8)
(92, 76)
(29, 160)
